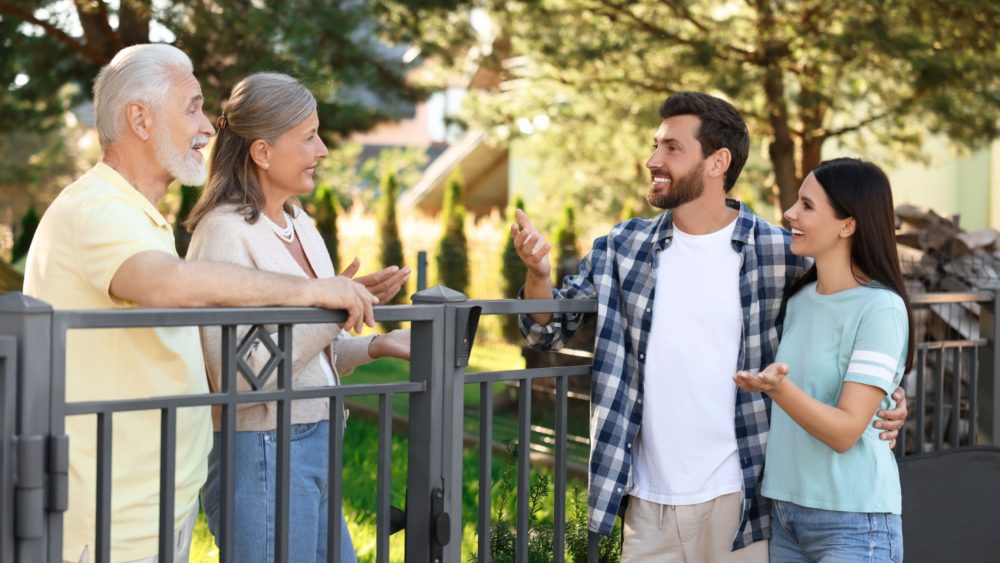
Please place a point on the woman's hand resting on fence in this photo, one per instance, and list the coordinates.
(394, 344)
(384, 284)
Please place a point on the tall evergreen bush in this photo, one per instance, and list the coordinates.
(453, 251)
(29, 224)
(566, 256)
(325, 209)
(182, 238)
(512, 273)
(390, 245)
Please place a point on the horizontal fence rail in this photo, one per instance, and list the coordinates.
(952, 387)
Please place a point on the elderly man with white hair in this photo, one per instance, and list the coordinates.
(103, 244)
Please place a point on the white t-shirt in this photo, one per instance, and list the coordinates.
(686, 452)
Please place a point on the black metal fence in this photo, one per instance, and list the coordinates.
(954, 380)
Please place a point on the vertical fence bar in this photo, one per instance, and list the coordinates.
(523, 467)
(593, 547)
(102, 548)
(989, 360)
(900, 449)
(335, 509)
(30, 322)
(8, 390)
(485, 468)
(282, 463)
(921, 406)
(421, 270)
(452, 424)
(559, 510)
(956, 393)
(939, 399)
(168, 449)
(974, 397)
(227, 445)
(425, 435)
(384, 492)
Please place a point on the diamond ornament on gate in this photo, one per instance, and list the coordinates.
(257, 335)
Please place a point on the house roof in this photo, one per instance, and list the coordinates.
(483, 170)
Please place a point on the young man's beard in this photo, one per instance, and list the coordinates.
(684, 189)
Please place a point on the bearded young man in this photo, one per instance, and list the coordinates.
(103, 244)
(672, 438)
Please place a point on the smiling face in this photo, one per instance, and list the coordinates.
(816, 230)
(677, 165)
(181, 131)
(292, 160)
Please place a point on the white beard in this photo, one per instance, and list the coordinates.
(187, 171)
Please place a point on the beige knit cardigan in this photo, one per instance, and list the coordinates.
(223, 235)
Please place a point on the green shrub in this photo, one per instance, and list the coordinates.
(453, 251)
(512, 272)
(390, 246)
(566, 256)
(324, 211)
(29, 223)
(503, 529)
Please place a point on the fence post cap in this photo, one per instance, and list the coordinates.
(15, 301)
(438, 294)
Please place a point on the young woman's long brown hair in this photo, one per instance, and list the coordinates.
(860, 189)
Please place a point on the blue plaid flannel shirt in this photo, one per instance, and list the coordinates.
(619, 272)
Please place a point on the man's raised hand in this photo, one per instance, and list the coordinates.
(531, 247)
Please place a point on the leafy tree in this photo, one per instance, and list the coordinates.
(512, 274)
(566, 254)
(807, 74)
(324, 210)
(390, 245)
(453, 251)
(29, 223)
(332, 46)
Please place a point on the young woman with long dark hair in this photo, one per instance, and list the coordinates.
(848, 339)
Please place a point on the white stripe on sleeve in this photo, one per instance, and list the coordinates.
(876, 371)
(885, 360)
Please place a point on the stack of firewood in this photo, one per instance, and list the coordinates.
(937, 255)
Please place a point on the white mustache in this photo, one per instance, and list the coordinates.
(199, 140)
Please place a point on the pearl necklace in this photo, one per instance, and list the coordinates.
(286, 233)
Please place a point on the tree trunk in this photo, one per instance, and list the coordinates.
(133, 21)
(102, 41)
(812, 154)
(782, 146)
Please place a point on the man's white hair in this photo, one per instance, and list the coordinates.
(140, 73)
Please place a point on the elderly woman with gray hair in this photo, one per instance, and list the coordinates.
(266, 153)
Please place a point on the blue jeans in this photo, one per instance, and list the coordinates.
(799, 533)
(254, 479)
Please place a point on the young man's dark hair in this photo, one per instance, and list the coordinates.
(722, 126)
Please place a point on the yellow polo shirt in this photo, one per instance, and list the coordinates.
(90, 229)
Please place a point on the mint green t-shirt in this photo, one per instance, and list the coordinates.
(857, 335)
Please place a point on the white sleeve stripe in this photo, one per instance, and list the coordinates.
(876, 371)
(876, 357)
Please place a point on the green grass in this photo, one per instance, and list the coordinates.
(360, 467)
(359, 490)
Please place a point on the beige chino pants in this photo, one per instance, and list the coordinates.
(697, 533)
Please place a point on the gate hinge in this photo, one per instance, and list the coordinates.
(38, 470)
